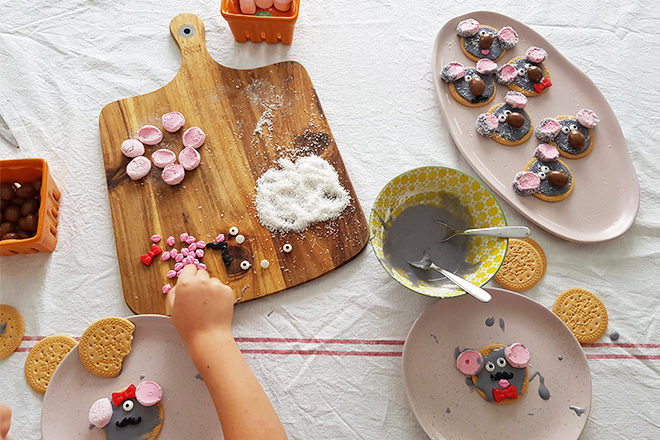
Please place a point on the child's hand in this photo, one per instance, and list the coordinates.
(201, 306)
(5, 421)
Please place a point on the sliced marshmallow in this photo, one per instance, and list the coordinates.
(486, 66)
(452, 71)
(547, 129)
(173, 174)
(469, 362)
(163, 157)
(100, 413)
(517, 355)
(173, 121)
(526, 183)
(546, 153)
(467, 27)
(487, 123)
(587, 118)
(515, 99)
(132, 148)
(150, 135)
(507, 73)
(508, 37)
(193, 137)
(138, 168)
(189, 158)
(536, 54)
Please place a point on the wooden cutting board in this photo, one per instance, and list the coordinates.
(251, 118)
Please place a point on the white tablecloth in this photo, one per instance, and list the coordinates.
(61, 62)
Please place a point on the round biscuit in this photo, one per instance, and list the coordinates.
(105, 344)
(12, 330)
(583, 313)
(43, 359)
(523, 266)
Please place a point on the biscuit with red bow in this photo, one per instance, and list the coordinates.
(105, 344)
(527, 75)
(498, 372)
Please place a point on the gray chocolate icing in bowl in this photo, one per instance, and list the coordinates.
(471, 44)
(415, 230)
(508, 132)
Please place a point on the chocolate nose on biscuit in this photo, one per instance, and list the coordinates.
(477, 86)
(576, 139)
(558, 178)
(515, 119)
(486, 40)
(534, 73)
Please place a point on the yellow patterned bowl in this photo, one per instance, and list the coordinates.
(431, 186)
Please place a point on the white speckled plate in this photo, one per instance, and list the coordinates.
(158, 354)
(605, 200)
(447, 408)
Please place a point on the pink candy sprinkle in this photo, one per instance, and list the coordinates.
(183, 237)
(195, 262)
(189, 260)
(171, 274)
(166, 256)
(185, 252)
(201, 245)
(178, 258)
(173, 253)
(170, 241)
(166, 289)
(192, 247)
(220, 238)
(155, 238)
(201, 266)
(178, 266)
(191, 240)
(199, 253)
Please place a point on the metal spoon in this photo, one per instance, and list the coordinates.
(499, 231)
(426, 264)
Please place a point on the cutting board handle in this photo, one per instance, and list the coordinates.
(189, 34)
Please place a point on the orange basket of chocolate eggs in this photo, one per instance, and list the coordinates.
(261, 20)
(29, 207)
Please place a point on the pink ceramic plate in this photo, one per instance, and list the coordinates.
(447, 408)
(605, 200)
(158, 354)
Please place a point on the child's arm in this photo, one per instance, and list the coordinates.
(5, 421)
(202, 310)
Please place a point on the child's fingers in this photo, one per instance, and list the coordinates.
(202, 274)
(170, 300)
(187, 273)
(5, 420)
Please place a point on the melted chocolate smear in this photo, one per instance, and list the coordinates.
(544, 392)
(199, 376)
(578, 410)
(614, 336)
(468, 382)
(142, 376)
(490, 321)
(448, 410)
(436, 338)
(457, 352)
(128, 421)
(502, 324)
(3, 328)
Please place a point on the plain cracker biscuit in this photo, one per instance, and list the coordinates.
(583, 313)
(105, 344)
(523, 266)
(44, 358)
(12, 332)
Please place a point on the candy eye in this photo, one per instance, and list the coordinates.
(483, 33)
(541, 175)
(490, 367)
(573, 127)
(468, 78)
(501, 117)
(527, 65)
(127, 405)
(565, 129)
(545, 169)
(507, 112)
(245, 265)
(501, 362)
(522, 72)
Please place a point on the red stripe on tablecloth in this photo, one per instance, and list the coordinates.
(623, 345)
(624, 356)
(322, 352)
(326, 341)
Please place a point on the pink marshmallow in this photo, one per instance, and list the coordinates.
(547, 129)
(189, 158)
(173, 253)
(486, 124)
(132, 148)
(179, 258)
(507, 73)
(100, 413)
(515, 99)
(166, 289)
(201, 245)
(138, 168)
(178, 266)
(486, 66)
(148, 393)
(527, 181)
(536, 54)
(546, 152)
(469, 362)
(452, 71)
(171, 274)
(150, 135)
(507, 37)
(165, 256)
(156, 238)
(467, 27)
(170, 241)
(248, 7)
(192, 247)
(194, 137)
(517, 355)
(587, 118)
(264, 4)
(183, 237)
(282, 5)
(173, 174)
(199, 253)
(220, 238)
(173, 121)
(163, 157)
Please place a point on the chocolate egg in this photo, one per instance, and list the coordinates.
(515, 119)
(12, 213)
(37, 185)
(6, 228)
(10, 236)
(485, 41)
(25, 192)
(7, 191)
(28, 223)
(558, 178)
(477, 86)
(23, 234)
(576, 140)
(534, 73)
(30, 207)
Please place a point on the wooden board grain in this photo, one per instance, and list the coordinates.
(228, 105)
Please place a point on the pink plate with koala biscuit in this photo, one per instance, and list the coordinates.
(158, 385)
(594, 193)
(506, 369)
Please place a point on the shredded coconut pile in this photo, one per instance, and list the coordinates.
(291, 198)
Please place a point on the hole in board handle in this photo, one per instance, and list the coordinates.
(186, 31)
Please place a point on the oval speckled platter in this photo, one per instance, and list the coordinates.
(447, 408)
(159, 354)
(605, 200)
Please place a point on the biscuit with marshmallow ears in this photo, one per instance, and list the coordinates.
(527, 75)
(572, 135)
(545, 176)
(507, 123)
(472, 87)
(482, 41)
